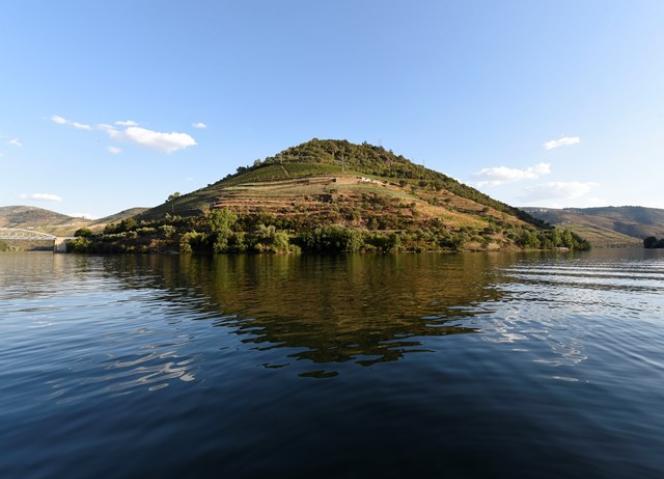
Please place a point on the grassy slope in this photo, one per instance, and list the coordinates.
(607, 225)
(124, 214)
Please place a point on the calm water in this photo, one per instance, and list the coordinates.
(366, 366)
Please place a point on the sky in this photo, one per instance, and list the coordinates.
(110, 105)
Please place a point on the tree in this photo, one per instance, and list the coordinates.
(83, 233)
(171, 199)
(221, 226)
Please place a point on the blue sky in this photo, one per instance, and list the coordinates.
(536, 103)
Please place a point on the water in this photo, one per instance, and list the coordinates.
(468, 366)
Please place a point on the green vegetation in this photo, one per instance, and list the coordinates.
(4, 246)
(83, 233)
(652, 242)
(223, 231)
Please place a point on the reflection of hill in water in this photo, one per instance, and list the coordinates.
(366, 308)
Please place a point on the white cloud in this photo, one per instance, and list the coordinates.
(110, 130)
(166, 142)
(200, 125)
(81, 126)
(42, 197)
(87, 216)
(499, 175)
(559, 194)
(60, 120)
(15, 142)
(563, 141)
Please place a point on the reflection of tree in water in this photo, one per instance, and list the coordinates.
(363, 308)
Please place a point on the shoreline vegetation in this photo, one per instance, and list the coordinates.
(329, 196)
(225, 232)
(652, 242)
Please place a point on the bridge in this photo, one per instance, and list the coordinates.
(17, 236)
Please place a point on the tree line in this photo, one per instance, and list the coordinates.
(652, 242)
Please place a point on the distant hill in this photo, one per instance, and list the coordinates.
(46, 221)
(331, 194)
(607, 226)
(122, 215)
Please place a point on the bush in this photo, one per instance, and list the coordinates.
(83, 233)
(79, 245)
(331, 239)
(194, 241)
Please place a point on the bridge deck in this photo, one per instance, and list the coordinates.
(13, 234)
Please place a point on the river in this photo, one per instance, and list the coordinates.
(457, 366)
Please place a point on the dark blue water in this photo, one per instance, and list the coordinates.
(456, 366)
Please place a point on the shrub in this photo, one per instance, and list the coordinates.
(79, 245)
(83, 233)
(194, 241)
(331, 239)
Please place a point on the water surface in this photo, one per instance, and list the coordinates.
(470, 365)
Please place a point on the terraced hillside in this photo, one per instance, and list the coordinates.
(324, 177)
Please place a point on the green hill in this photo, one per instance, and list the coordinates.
(607, 226)
(331, 195)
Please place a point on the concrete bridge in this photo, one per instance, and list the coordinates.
(25, 239)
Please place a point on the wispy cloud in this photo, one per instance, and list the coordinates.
(499, 175)
(126, 123)
(200, 125)
(114, 150)
(563, 141)
(15, 142)
(41, 197)
(110, 130)
(60, 120)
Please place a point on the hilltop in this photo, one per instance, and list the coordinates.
(607, 226)
(331, 195)
(47, 221)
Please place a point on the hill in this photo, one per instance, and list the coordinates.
(47, 221)
(122, 215)
(607, 226)
(340, 159)
(331, 195)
